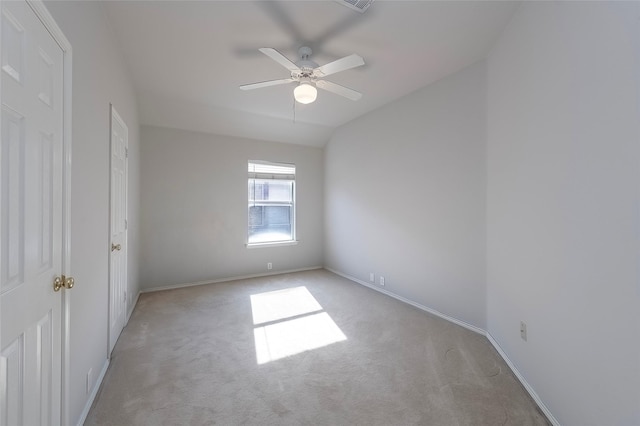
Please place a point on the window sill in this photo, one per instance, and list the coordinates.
(272, 244)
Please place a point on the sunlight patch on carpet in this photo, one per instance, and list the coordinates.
(292, 337)
(290, 322)
(282, 304)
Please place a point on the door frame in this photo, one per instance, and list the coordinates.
(50, 24)
(115, 116)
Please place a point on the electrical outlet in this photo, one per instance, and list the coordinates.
(372, 277)
(269, 265)
(381, 280)
(523, 330)
(89, 380)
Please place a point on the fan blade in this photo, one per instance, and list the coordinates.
(342, 64)
(339, 90)
(281, 16)
(266, 84)
(279, 58)
(332, 33)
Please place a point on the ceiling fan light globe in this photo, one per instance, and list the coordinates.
(305, 93)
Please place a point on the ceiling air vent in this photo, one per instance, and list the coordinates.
(359, 5)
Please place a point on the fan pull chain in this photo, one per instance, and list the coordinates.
(294, 110)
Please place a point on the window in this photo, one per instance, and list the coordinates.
(271, 202)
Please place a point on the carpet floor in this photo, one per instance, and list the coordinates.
(308, 348)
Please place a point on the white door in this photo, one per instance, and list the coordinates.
(31, 219)
(118, 258)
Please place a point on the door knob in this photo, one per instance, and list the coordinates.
(62, 281)
(69, 282)
(115, 247)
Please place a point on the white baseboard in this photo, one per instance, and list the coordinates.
(223, 280)
(466, 325)
(411, 302)
(524, 382)
(94, 392)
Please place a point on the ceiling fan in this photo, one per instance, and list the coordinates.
(309, 75)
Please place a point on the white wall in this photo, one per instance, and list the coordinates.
(564, 206)
(194, 205)
(99, 77)
(405, 196)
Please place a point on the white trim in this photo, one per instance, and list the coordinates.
(468, 326)
(410, 302)
(94, 393)
(223, 280)
(43, 14)
(271, 244)
(52, 27)
(133, 306)
(524, 382)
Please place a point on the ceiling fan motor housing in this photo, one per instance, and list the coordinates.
(305, 64)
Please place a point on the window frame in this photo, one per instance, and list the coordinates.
(291, 178)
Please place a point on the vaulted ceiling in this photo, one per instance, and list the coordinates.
(187, 58)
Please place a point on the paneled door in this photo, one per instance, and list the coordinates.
(118, 258)
(31, 216)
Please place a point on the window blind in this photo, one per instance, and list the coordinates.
(264, 170)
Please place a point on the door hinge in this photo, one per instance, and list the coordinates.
(126, 152)
(126, 224)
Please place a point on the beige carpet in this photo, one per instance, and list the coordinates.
(308, 348)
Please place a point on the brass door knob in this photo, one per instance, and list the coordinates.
(57, 284)
(115, 247)
(69, 282)
(62, 281)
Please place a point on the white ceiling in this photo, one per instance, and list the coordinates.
(187, 58)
